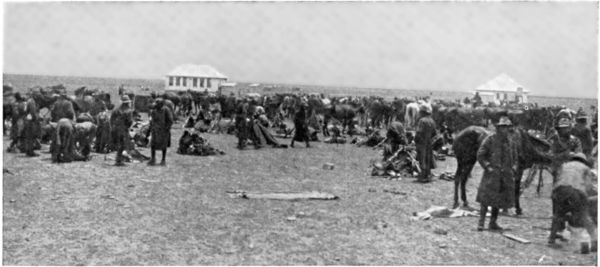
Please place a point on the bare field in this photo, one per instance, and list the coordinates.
(92, 213)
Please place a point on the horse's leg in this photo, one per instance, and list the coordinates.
(518, 177)
(460, 179)
(457, 180)
(540, 180)
(463, 185)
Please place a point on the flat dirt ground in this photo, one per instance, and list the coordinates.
(92, 213)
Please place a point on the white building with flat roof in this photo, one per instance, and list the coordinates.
(502, 88)
(195, 78)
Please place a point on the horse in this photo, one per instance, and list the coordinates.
(531, 150)
(411, 114)
(381, 113)
(343, 113)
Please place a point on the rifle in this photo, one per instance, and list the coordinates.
(380, 143)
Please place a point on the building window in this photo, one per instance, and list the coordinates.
(195, 82)
(208, 81)
(184, 81)
(202, 82)
(178, 81)
(170, 81)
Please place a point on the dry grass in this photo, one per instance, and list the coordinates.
(92, 213)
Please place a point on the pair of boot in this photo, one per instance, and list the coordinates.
(493, 226)
(152, 161)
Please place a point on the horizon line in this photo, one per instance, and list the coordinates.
(286, 84)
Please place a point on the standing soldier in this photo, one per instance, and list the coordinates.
(120, 120)
(32, 127)
(301, 133)
(62, 108)
(98, 107)
(424, 133)
(17, 120)
(584, 133)
(241, 123)
(563, 144)
(498, 157)
(160, 127)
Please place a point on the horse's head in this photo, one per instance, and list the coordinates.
(532, 149)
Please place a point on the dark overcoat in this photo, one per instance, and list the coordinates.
(300, 123)
(424, 134)
(160, 128)
(120, 121)
(499, 159)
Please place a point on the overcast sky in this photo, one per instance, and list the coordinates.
(550, 48)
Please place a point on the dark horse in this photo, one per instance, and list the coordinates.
(531, 150)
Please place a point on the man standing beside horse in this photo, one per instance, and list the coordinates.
(498, 155)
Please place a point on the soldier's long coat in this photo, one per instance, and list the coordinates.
(497, 188)
(424, 135)
(160, 128)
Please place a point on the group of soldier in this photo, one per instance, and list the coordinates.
(498, 157)
(66, 129)
(425, 130)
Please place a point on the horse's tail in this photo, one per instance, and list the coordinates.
(408, 117)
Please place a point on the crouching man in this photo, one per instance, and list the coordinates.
(574, 199)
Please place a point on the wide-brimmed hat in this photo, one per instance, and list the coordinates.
(563, 122)
(125, 99)
(504, 121)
